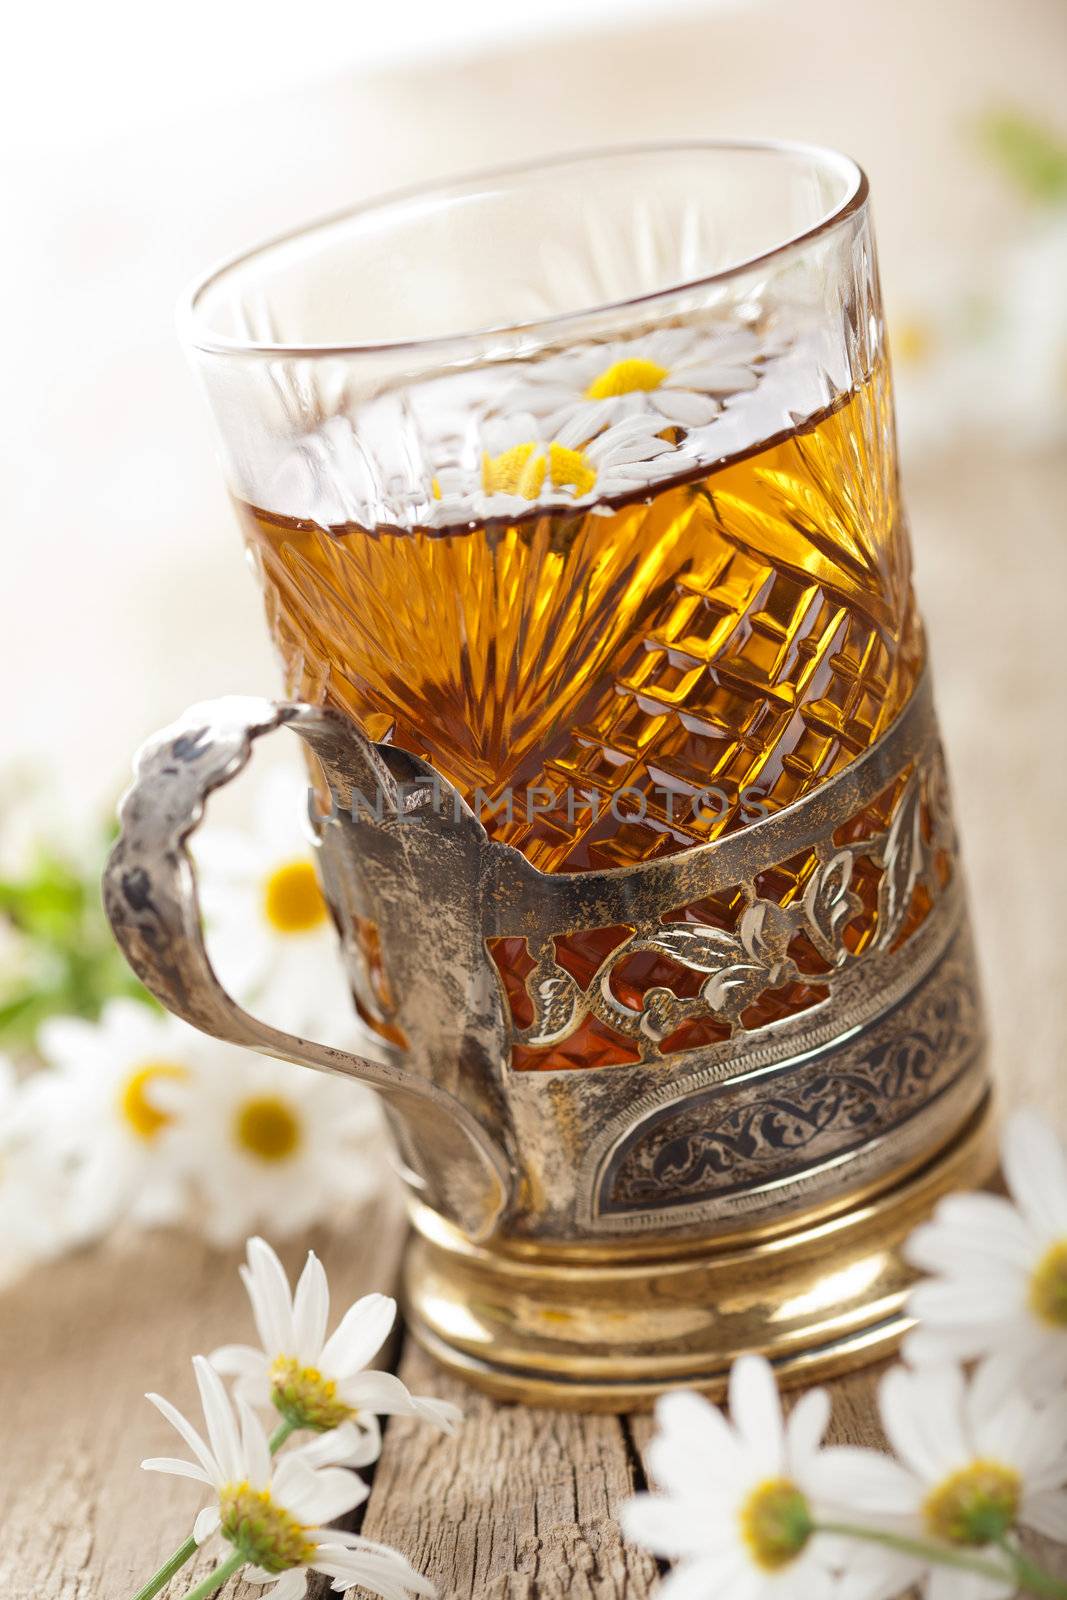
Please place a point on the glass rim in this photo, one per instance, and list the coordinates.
(193, 331)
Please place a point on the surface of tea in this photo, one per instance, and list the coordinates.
(624, 680)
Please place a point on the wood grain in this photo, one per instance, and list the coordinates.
(520, 1503)
(523, 1504)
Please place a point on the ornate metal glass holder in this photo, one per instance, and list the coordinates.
(581, 479)
(591, 1237)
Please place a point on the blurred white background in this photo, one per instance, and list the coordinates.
(143, 144)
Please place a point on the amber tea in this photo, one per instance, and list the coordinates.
(618, 680)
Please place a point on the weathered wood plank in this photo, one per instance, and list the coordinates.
(521, 1503)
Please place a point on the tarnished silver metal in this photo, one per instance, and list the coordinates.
(753, 1124)
(771, 1122)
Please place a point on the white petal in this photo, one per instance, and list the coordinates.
(207, 1522)
(922, 1415)
(972, 1237)
(176, 1467)
(695, 1444)
(332, 1449)
(1046, 1514)
(291, 1585)
(366, 1446)
(1035, 1168)
(756, 1411)
(442, 1414)
(255, 1449)
(948, 1583)
(933, 1346)
(311, 1311)
(875, 1573)
(221, 1423)
(864, 1481)
(666, 1526)
(804, 1429)
(680, 405)
(714, 377)
(189, 1434)
(268, 1290)
(378, 1392)
(240, 1361)
(955, 1302)
(316, 1494)
(722, 1576)
(361, 1333)
(63, 1040)
(1043, 1459)
(375, 1566)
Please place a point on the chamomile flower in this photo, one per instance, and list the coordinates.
(99, 1096)
(315, 1381)
(739, 1512)
(34, 1219)
(523, 464)
(272, 1512)
(268, 928)
(272, 1145)
(998, 1288)
(973, 1466)
(670, 377)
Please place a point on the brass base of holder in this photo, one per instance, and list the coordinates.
(613, 1330)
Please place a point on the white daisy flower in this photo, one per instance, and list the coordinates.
(999, 1268)
(101, 1102)
(272, 1145)
(672, 376)
(974, 1465)
(268, 929)
(315, 1381)
(739, 1510)
(523, 464)
(35, 1222)
(272, 1512)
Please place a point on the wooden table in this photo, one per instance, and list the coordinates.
(524, 1503)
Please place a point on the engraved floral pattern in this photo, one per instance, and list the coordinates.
(714, 1144)
(731, 969)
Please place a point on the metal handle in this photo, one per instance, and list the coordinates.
(150, 896)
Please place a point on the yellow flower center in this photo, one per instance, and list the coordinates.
(266, 1534)
(135, 1104)
(775, 1523)
(625, 377)
(519, 470)
(912, 343)
(975, 1505)
(267, 1128)
(1048, 1286)
(292, 899)
(304, 1397)
(570, 469)
(522, 469)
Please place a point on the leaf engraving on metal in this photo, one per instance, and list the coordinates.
(735, 1137)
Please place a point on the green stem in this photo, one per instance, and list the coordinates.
(280, 1434)
(216, 1579)
(1033, 1577)
(1026, 1574)
(939, 1555)
(158, 1580)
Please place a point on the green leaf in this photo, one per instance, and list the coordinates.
(74, 966)
(1030, 153)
